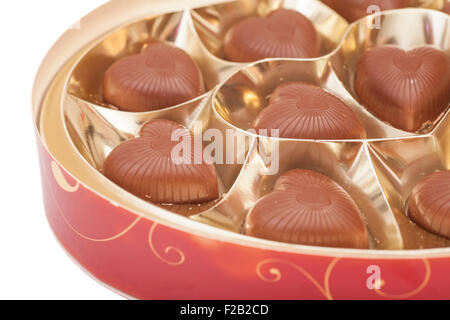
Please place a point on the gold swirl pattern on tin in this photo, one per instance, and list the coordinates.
(325, 290)
(62, 181)
(181, 257)
(276, 275)
(413, 292)
(63, 184)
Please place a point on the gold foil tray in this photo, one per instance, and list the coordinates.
(378, 172)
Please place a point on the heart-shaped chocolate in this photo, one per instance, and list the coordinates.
(300, 110)
(408, 89)
(446, 8)
(308, 208)
(152, 168)
(161, 76)
(353, 10)
(282, 34)
(429, 204)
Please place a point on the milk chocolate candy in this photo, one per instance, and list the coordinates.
(282, 34)
(353, 10)
(161, 76)
(429, 204)
(408, 89)
(308, 208)
(148, 166)
(303, 111)
(447, 7)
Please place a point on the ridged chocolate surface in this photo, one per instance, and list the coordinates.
(282, 34)
(407, 89)
(308, 208)
(146, 167)
(303, 111)
(429, 204)
(160, 77)
(353, 10)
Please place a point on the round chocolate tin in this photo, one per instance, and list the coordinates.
(149, 251)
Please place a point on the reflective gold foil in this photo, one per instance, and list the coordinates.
(378, 172)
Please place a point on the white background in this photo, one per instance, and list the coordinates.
(32, 264)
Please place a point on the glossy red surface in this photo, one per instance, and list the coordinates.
(147, 260)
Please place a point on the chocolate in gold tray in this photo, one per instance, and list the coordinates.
(316, 84)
